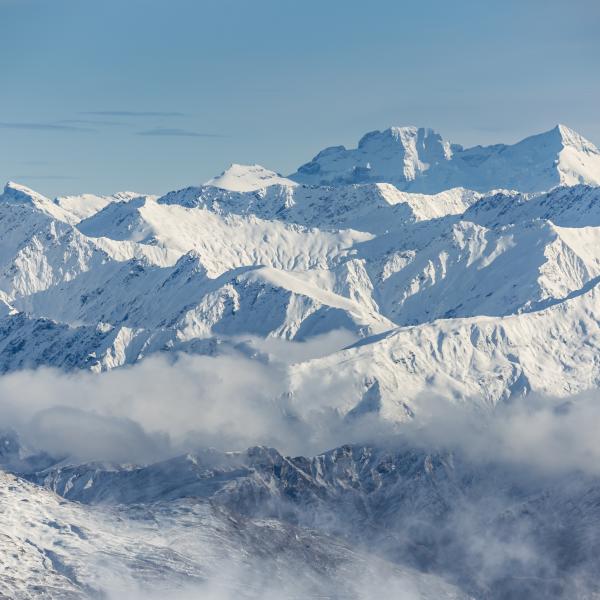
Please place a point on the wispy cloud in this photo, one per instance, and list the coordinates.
(58, 177)
(178, 133)
(43, 126)
(94, 122)
(132, 113)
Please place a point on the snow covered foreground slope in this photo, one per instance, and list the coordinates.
(493, 529)
(52, 548)
(467, 294)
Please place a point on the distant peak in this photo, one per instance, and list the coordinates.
(247, 178)
(418, 159)
(570, 137)
(126, 195)
(395, 134)
(21, 193)
(400, 133)
(562, 129)
(14, 186)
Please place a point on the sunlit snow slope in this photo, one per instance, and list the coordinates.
(470, 292)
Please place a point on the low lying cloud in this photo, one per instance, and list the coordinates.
(145, 412)
(493, 529)
(233, 586)
(162, 407)
(551, 435)
(315, 347)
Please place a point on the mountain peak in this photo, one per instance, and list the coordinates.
(394, 134)
(247, 178)
(570, 137)
(16, 192)
(418, 159)
(21, 195)
(402, 136)
(397, 155)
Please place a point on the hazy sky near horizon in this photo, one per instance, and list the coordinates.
(152, 95)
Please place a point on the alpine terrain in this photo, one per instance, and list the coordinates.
(393, 312)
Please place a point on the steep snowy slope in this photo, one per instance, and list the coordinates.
(576, 206)
(223, 241)
(482, 360)
(420, 160)
(19, 195)
(500, 530)
(259, 300)
(39, 249)
(459, 279)
(467, 269)
(375, 208)
(86, 205)
(250, 275)
(27, 343)
(55, 549)
(24, 214)
(409, 276)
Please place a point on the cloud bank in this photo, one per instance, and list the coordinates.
(520, 468)
(161, 407)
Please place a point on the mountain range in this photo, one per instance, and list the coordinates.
(420, 160)
(371, 282)
(100, 282)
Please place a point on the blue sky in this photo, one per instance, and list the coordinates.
(151, 95)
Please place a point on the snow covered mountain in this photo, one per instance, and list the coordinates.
(85, 205)
(443, 290)
(471, 276)
(51, 548)
(419, 160)
(493, 531)
(243, 178)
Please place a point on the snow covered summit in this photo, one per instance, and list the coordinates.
(420, 160)
(442, 290)
(247, 178)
